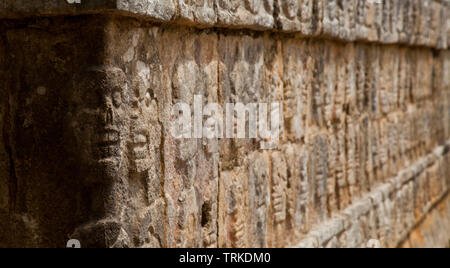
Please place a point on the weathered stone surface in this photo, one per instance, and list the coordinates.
(233, 209)
(259, 200)
(87, 152)
(256, 14)
(421, 23)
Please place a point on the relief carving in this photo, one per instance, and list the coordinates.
(233, 213)
(252, 13)
(259, 198)
(302, 208)
(289, 15)
(100, 108)
(279, 196)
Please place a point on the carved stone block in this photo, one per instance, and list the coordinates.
(331, 18)
(279, 198)
(233, 213)
(241, 76)
(198, 11)
(318, 161)
(296, 87)
(290, 14)
(259, 196)
(257, 14)
(161, 10)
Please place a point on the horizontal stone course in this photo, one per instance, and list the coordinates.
(410, 22)
(86, 112)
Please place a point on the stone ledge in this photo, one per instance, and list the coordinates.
(348, 223)
(397, 21)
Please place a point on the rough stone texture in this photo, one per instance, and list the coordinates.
(86, 150)
(414, 22)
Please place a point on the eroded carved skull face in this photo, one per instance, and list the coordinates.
(144, 118)
(259, 175)
(307, 10)
(99, 107)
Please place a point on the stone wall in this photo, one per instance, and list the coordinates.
(87, 92)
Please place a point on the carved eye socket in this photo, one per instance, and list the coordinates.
(148, 98)
(117, 98)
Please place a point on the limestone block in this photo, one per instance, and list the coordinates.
(309, 242)
(415, 22)
(272, 93)
(302, 221)
(69, 136)
(17, 8)
(350, 106)
(394, 92)
(342, 96)
(279, 198)
(290, 14)
(310, 17)
(400, 14)
(333, 243)
(332, 194)
(370, 16)
(329, 231)
(241, 72)
(255, 14)
(259, 200)
(295, 60)
(318, 161)
(447, 24)
(160, 10)
(406, 15)
(386, 80)
(387, 229)
(333, 95)
(315, 97)
(393, 145)
(365, 156)
(292, 191)
(389, 9)
(341, 171)
(359, 120)
(331, 17)
(191, 164)
(353, 156)
(360, 19)
(143, 65)
(384, 150)
(437, 11)
(373, 76)
(4, 157)
(155, 9)
(200, 11)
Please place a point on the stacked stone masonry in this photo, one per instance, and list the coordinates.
(86, 98)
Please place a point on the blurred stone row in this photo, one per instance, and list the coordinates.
(392, 211)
